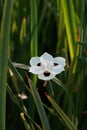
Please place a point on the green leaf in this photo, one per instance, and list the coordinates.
(16, 73)
(39, 106)
(63, 116)
(26, 124)
(34, 31)
(57, 81)
(33, 17)
(70, 24)
(4, 40)
(16, 101)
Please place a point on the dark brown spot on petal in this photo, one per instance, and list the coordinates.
(46, 73)
(55, 64)
(39, 64)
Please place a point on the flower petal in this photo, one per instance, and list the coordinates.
(34, 61)
(46, 66)
(57, 69)
(59, 60)
(36, 70)
(43, 77)
(46, 58)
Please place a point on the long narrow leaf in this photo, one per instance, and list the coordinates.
(33, 10)
(63, 116)
(26, 124)
(69, 19)
(14, 99)
(57, 81)
(34, 31)
(4, 40)
(16, 73)
(39, 106)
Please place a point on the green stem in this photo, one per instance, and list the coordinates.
(33, 10)
(4, 40)
(34, 31)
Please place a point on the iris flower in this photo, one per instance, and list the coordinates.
(47, 67)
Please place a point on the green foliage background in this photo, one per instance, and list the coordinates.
(58, 27)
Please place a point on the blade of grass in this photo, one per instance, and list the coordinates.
(15, 100)
(63, 116)
(60, 26)
(23, 31)
(34, 32)
(34, 41)
(57, 81)
(21, 66)
(82, 61)
(39, 106)
(83, 26)
(4, 40)
(17, 74)
(26, 124)
(20, 78)
(69, 18)
(34, 45)
(43, 14)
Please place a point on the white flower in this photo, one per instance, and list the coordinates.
(47, 67)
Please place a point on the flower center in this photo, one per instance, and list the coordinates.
(46, 73)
